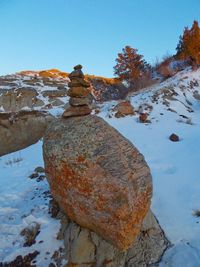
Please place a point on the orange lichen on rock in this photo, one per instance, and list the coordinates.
(98, 178)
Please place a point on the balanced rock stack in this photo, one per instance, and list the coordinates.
(103, 185)
(80, 96)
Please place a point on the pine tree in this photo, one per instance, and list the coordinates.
(188, 47)
(130, 65)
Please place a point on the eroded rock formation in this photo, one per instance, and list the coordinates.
(19, 130)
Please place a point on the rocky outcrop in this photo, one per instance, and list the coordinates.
(55, 93)
(13, 100)
(106, 89)
(86, 248)
(98, 177)
(19, 130)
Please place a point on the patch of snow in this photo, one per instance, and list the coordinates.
(23, 202)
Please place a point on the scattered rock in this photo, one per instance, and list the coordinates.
(196, 95)
(57, 102)
(20, 261)
(143, 118)
(53, 208)
(98, 177)
(174, 138)
(55, 93)
(41, 178)
(123, 109)
(39, 169)
(59, 256)
(97, 111)
(34, 175)
(30, 234)
(38, 103)
(145, 108)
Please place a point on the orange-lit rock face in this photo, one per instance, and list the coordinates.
(123, 109)
(98, 177)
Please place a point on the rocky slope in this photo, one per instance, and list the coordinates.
(47, 89)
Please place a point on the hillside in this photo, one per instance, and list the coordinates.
(103, 88)
(171, 107)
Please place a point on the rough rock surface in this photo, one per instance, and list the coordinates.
(55, 93)
(15, 99)
(80, 101)
(19, 130)
(98, 177)
(86, 248)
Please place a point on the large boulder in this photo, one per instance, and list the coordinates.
(98, 178)
(19, 130)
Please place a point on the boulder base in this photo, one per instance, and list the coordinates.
(86, 248)
(98, 177)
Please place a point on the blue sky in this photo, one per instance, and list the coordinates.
(43, 34)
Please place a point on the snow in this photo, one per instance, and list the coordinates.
(23, 202)
(174, 166)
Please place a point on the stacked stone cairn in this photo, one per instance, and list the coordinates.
(79, 93)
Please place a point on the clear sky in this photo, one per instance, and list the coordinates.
(43, 34)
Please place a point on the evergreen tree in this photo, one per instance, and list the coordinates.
(188, 47)
(130, 65)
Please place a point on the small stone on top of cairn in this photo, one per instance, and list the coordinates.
(80, 96)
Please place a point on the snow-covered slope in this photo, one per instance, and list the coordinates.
(25, 202)
(174, 166)
(173, 107)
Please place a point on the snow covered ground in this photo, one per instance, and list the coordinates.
(174, 166)
(24, 201)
